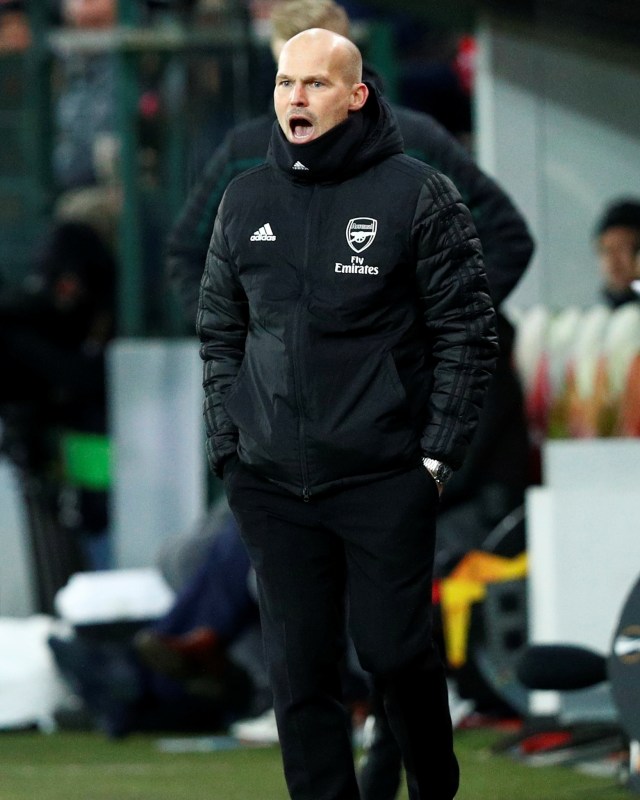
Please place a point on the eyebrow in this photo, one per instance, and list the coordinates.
(305, 78)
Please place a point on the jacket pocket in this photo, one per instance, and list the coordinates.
(389, 365)
(233, 389)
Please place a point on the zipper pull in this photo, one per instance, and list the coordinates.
(305, 494)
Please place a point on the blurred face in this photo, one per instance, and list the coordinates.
(618, 249)
(317, 85)
(15, 35)
(68, 292)
(91, 13)
(276, 45)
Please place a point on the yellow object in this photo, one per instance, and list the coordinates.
(467, 584)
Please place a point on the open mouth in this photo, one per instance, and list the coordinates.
(301, 129)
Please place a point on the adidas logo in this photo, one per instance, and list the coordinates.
(299, 165)
(263, 234)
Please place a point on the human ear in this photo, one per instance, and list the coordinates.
(359, 95)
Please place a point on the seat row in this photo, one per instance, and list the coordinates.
(580, 370)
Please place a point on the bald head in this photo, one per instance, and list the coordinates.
(335, 48)
(319, 82)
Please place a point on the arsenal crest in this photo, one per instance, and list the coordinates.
(361, 232)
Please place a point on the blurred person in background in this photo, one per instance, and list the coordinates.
(88, 86)
(434, 78)
(617, 242)
(213, 622)
(156, 678)
(15, 33)
(489, 486)
(611, 408)
(85, 112)
(53, 337)
(85, 123)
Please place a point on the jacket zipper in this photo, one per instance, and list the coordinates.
(299, 400)
(297, 361)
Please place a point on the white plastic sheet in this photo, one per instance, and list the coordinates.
(31, 688)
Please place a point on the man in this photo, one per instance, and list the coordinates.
(617, 239)
(348, 338)
(85, 110)
(54, 333)
(506, 241)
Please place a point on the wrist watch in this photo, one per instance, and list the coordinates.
(439, 471)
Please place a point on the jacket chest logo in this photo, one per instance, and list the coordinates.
(361, 231)
(263, 234)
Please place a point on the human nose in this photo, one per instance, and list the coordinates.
(298, 95)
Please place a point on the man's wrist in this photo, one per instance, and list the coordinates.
(438, 470)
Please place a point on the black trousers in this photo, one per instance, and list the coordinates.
(372, 547)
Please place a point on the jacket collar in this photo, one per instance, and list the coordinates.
(365, 137)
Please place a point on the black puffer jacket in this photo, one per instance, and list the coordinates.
(344, 313)
(506, 241)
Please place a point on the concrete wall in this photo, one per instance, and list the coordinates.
(159, 471)
(558, 124)
(584, 554)
(17, 591)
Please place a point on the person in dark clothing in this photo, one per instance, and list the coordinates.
(206, 639)
(488, 487)
(55, 331)
(506, 241)
(348, 338)
(55, 328)
(198, 667)
(617, 240)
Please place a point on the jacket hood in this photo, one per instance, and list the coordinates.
(363, 139)
(372, 78)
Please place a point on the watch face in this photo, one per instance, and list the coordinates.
(439, 472)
